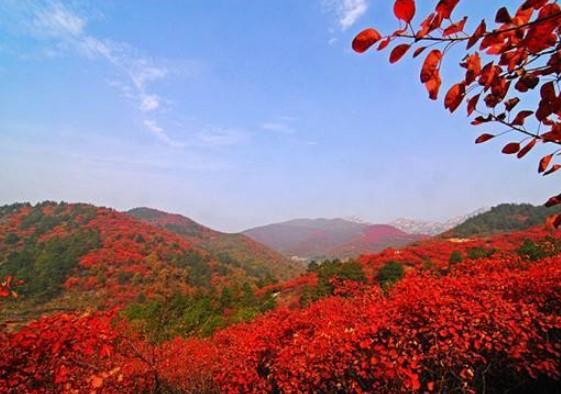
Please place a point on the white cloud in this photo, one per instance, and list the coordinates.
(160, 133)
(278, 127)
(153, 126)
(149, 102)
(57, 21)
(220, 137)
(60, 26)
(346, 11)
(65, 30)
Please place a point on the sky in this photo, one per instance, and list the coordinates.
(237, 113)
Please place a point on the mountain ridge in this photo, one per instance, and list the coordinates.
(234, 248)
(433, 227)
(328, 238)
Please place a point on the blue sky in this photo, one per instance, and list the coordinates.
(236, 113)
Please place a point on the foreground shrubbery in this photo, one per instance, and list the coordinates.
(492, 324)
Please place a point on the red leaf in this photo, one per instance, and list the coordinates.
(526, 82)
(536, 4)
(365, 39)
(553, 222)
(398, 52)
(527, 148)
(503, 16)
(484, 137)
(547, 91)
(431, 64)
(510, 104)
(384, 43)
(555, 200)
(511, 148)
(446, 7)
(418, 51)
(541, 36)
(521, 117)
(553, 168)
(433, 86)
(455, 96)
(476, 36)
(404, 10)
(455, 28)
(544, 163)
(480, 119)
(472, 104)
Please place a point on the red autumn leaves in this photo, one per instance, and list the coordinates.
(494, 320)
(455, 96)
(398, 52)
(7, 287)
(430, 73)
(404, 10)
(365, 40)
(519, 55)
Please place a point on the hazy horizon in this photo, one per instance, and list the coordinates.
(236, 116)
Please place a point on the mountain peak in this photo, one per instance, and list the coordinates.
(428, 227)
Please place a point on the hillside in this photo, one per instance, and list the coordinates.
(502, 218)
(444, 315)
(328, 238)
(78, 256)
(233, 249)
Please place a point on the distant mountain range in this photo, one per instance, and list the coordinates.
(433, 227)
(329, 238)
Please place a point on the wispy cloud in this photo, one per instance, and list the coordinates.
(160, 133)
(149, 102)
(66, 30)
(57, 21)
(220, 137)
(280, 124)
(278, 127)
(62, 29)
(346, 11)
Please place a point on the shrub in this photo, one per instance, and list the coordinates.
(478, 252)
(529, 250)
(11, 238)
(390, 273)
(455, 257)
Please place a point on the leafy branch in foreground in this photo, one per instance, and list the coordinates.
(517, 62)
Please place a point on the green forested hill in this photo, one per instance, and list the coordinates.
(503, 217)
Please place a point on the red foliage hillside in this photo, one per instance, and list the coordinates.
(487, 323)
(375, 238)
(77, 256)
(251, 255)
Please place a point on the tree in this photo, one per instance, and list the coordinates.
(390, 273)
(455, 257)
(517, 62)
